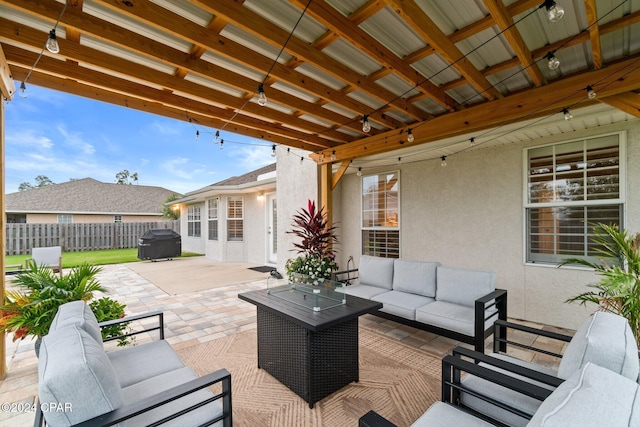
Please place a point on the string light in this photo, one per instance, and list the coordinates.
(333, 156)
(552, 61)
(590, 92)
(262, 98)
(52, 42)
(567, 114)
(366, 126)
(273, 150)
(288, 150)
(217, 134)
(443, 161)
(221, 144)
(359, 173)
(554, 12)
(301, 160)
(472, 141)
(23, 90)
(410, 137)
(399, 160)
(197, 135)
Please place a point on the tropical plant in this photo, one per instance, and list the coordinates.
(317, 240)
(618, 290)
(30, 309)
(105, 309)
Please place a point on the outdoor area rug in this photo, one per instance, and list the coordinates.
(397, 381)
(192, 274)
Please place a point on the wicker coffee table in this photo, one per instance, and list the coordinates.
(313, 353)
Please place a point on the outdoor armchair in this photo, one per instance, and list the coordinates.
(605, 339)
(49, 256)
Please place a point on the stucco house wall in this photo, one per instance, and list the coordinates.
(470, 214)
(47, 218)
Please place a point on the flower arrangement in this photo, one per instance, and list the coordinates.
(317, 259)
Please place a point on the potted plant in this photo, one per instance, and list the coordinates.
(105, 309)
(317, 259)
(29, 310)
(618, 290)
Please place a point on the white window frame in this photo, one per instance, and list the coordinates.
(65, 219)
(117, 219)
(194, 225)
(213, 214)
(385, 228)
(232, 218)
(555, 259)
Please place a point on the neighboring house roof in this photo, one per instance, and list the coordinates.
(89, 196)
(257, 180)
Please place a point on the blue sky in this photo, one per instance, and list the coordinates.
(63, 136)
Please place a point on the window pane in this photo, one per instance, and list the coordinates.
(235, 230)
(557, 233)
(213, 229)
(382, 243)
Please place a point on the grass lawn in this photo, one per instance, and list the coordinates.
(73, 259)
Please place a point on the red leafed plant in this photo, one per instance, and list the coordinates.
(316, 244)
(312, 227)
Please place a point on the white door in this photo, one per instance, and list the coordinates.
(272, 228)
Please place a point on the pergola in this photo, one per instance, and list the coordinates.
(344, 79)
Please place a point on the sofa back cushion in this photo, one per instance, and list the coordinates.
(77, 313)
(415, 277)
(75, 377)
(464, 287)
(605, 339)
(591, 396)
(376, 271)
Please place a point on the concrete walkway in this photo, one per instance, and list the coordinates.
(190, 318)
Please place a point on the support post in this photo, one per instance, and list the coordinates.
(325, 193)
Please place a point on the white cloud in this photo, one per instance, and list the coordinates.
(29, 138)
(251, 158)
(75, 140)
(180, 167)
(165, 128)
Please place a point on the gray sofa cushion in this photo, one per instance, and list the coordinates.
(74, 370)
(460, 286)
(164, 382)
(77, 313)
(605, 339)
(138, 363)
(362, 291)
(415, 277)
(454, 317)
(441, 414)
(376, 271)
(401, 304)
(592, 396)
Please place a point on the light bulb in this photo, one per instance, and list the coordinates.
(552, 61)
(262, 98)
(443, 161)
(410, 137)
(359, 173)
(567, 114)
(333, 155)
(301, 160)
(399, 160)
(554, 12)
(288, 150)
(221, 144)
(366, 126)
(197, 135)
(273, 150)
(590, 92)
(23, 90)
(472, 141)
(52, 42)
(217, 134)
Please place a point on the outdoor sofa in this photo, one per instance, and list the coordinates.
(457, 303)
(81, 384)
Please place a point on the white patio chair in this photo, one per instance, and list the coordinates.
(49, 256)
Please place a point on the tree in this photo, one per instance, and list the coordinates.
(167, 211)
(125, 177)
(41, 181)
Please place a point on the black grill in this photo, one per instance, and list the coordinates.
(160, 243)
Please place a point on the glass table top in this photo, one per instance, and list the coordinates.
(314, 294)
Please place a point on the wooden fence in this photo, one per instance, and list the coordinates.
(80, 237)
